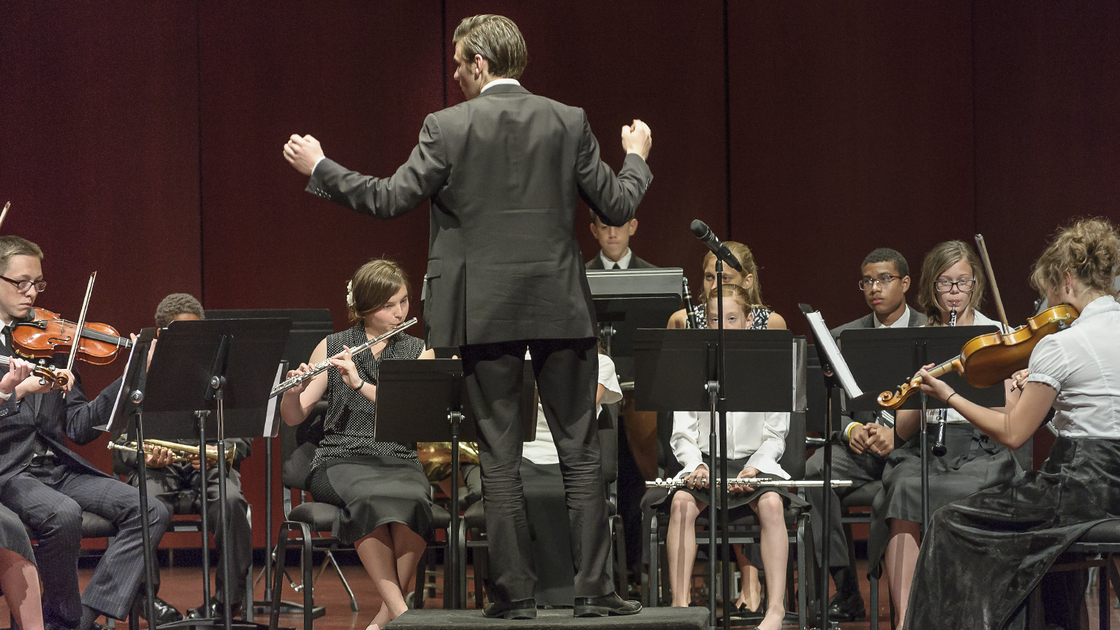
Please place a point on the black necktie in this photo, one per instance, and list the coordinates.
(616, 266)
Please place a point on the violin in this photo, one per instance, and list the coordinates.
(49, 334)
(990, 358)
(56, 377)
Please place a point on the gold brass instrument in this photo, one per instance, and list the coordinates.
(752, 482)
(320, 367)
(435, 457)
(183, 450)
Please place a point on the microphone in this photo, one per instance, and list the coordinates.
(704, 233)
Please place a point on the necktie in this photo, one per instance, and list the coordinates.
(616, 266)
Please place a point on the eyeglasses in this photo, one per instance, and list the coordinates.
(24, 285)
(945, 286)
(884, 281)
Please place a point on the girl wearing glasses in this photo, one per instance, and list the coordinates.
(984, 554)
(951, 291)
(388, 513)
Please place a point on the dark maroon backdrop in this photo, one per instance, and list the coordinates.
(143, 141)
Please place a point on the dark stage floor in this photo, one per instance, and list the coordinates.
(182, 587)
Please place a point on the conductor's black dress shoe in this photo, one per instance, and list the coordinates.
(610, 604)
(520, 609)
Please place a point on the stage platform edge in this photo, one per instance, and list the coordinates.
(660, 618)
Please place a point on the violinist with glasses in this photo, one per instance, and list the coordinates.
(48, 486)
(950, 292)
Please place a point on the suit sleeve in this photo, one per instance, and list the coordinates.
(82, 416)
(613, 198)
(415, 181)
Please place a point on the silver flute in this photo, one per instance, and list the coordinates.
(752, 482)
(322, 366)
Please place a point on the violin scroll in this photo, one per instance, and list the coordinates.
(894, 400)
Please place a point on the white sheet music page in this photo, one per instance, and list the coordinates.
(271, 427)
(832, 352)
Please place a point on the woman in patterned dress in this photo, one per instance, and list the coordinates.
(387, 512)
(763, 317)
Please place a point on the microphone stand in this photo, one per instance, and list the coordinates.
(717, 439)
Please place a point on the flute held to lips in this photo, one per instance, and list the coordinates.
(753, 482)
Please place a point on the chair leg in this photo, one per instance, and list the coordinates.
(622, 580)
(1104, 604)
(873, 612)
(802, 575)
(338, 569)
(652, 593)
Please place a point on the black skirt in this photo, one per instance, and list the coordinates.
(13, 535)
(983, 555)
(972, 462)
(374, 491)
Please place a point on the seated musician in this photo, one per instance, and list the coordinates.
(952, 281)
(175, 479)
(388, 513)
(544, 497)
(614, 246)
(867, 437)
(748, 279)
(48, 486)
(983, 555)
(755, 443)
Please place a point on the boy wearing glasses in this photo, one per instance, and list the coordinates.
(49, 486)
(868, 436)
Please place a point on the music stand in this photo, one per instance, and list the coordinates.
(882, 359)
(675, 371)
(629, 299)
(309, 327)
(209, 375)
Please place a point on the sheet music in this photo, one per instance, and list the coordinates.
(832, 352)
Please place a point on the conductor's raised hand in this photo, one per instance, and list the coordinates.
(637, 138)
(303, 152)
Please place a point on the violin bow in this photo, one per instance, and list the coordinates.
(992, 276)
(81, 323)
(5, 212)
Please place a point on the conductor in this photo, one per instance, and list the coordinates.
(504, 171)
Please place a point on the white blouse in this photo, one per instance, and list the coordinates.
(1082, 363)
(758, 436)
(542, 450)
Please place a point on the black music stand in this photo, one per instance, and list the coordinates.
(629, 299)
(426, 401)
(210, 375)
(882, 359)
(309, 327)
(676, 370)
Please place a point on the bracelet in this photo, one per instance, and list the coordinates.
(950, 397)
(359, 387)
(8, 396)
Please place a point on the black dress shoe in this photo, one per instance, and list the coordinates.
(165, 613)
(610, 604)
(746, 614)
(520, 609)
(846, 606)
(215, 610)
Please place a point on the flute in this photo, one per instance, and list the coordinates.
(322, 366)
(753, 482)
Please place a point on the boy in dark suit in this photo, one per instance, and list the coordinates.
(614, 246)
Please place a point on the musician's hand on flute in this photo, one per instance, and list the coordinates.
(344, 363)
(158, 457)
(934, 386)
(697, 478)
(749, 472)
(296, 390)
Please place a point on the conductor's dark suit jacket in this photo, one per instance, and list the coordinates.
(504, 172)
(55, 418)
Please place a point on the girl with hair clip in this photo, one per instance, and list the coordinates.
(984, 554)
(388, 513)
(756, 442)
(950, 292)
(762, 316)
